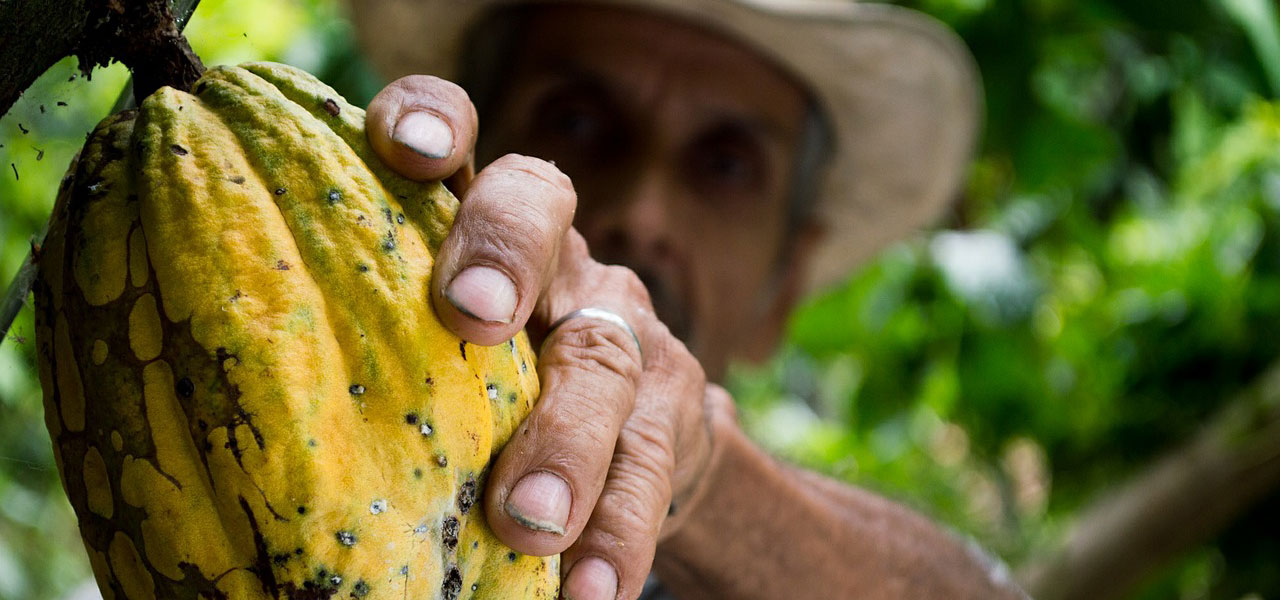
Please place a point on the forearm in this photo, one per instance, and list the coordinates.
(760, 529)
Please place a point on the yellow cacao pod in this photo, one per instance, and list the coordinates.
(248, 393)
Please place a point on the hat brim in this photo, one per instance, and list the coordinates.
(899, 89)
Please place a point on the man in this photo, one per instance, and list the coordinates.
(732, 156)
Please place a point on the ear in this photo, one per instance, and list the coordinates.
(793, 267)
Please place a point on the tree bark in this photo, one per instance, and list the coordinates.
(1179, 502)
(36, 34)
(145, 35)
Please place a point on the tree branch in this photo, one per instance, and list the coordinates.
(1181, 501)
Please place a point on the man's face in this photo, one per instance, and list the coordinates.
(681, 147)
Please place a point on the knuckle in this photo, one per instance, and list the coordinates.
(628, 282)
(539, 170)
(587, 425)
(644, 451)
(595, 347)
(677, 364)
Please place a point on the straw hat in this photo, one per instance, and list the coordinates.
(900, 90)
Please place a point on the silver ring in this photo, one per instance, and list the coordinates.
(600, 314)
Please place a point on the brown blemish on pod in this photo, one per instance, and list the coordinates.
(449, 533)
(452, 585)
(184, 388)
(467, 494)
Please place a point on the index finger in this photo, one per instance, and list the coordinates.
(423, 127)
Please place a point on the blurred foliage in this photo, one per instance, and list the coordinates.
(1111, 277)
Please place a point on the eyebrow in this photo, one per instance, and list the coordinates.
(573, 72)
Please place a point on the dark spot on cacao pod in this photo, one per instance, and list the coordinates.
(360, 589)
(280, 191)
(430, 381)
(331, 107)
(39, 154)
(474, 587)
(452, 585)
(238, 179)
(282, 266)
(400, 218)
(511, 557)
(362, 268)
(475, 545)
(223, 356)
(389, 243)
(311, 442)
(386, 214)
(462, 348)
(279, 560)
(302, 510)
(25, 131)
(297, 551)
(346, 538)
(185, 388)
(404, 570)
(443, 461)
(335, 196)
(411, 418)
(467, 495)
(512, 398)
(417, 473)
(60, 103)
(356, 389)
(449, 533)
(179, 150)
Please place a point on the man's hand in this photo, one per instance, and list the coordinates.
(620, 432)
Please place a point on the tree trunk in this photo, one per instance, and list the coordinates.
(1179, 502)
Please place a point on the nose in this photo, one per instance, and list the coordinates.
(633, 225)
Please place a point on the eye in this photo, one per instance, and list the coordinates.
(728, 161)
(573, 120)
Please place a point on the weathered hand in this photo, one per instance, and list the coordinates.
(621, 434)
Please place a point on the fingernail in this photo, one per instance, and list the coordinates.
(483, 293)
(540, 501)
(591, 579)
(425, 134)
